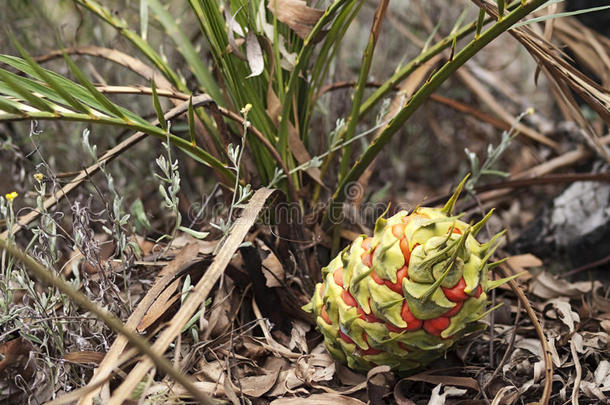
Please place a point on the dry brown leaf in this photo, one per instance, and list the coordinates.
(301, 154)
(85, 357)
(230, 392)
(274, 105)
(295, 14)
(319, 399)
(522, 262)
(206, 247)
(297, 336)
(564, 312)
(600, 303)
(272, 268)
(211, 388)
(256, 386)
(14, 353)
(201, 291)
(348, 377)
(447, 380)
(506, 396)
(548, 286)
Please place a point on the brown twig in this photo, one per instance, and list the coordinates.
(586, 267)
(508, 351)
(449, 102)
(537, 181)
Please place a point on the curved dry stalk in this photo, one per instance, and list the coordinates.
(528, 182)
(546, 351)
(50, 277)
(118, 57)
(564, 77)
(139, 68)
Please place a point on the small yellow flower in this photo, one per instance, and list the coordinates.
(11, 196)
(246, 109)
(39, 177)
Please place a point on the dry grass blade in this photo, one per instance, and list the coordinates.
(319, 399)
(198, 294)
(75, 395)
(107, 157)
(590, 48)
(485, 96)
(466, 382)
(165, 276)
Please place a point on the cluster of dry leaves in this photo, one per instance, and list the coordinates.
(242, 356)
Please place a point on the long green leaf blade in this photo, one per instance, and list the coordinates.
(185, 47)
(49, 80)
(11, 81)
(11, 106)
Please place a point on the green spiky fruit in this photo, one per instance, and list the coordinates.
(404, 296)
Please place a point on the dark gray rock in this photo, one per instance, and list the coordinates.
(573, 230)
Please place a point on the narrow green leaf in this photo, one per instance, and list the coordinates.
(497, 283)
(367, 60)
(561, 15)
(422, 94)
(501, 6)
(195, 152)
(157, 105)
(51, 82)
(13, 83)
(144, 47)
(195, 234)
(448, 208)
(186, 48)
(479, 225)
(77, 90)
(459, 22)
(10, 106)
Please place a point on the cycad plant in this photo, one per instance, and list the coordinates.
(273, 55)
